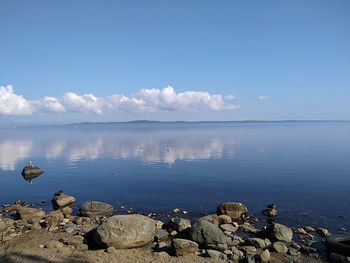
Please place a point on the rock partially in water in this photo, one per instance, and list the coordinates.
(183, 247)
(206, 233)
(323, 232)
(125, 231)
(270, 212)
(237, 211)
(309, 229)
(32, 170)
(95, 209)
(61, 200)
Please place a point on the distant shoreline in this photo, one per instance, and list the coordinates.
(152, 122)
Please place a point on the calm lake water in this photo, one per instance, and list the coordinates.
(303, 167)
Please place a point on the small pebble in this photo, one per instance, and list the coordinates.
(111, 250)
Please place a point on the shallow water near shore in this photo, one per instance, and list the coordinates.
(303, 167)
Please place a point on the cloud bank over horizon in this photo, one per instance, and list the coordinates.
(144, 101)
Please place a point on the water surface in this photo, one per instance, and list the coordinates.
(303, 167)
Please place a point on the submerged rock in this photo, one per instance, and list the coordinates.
(95, 209)
(125, 231)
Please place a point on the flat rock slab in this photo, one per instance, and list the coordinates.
(125, 231)
(95, 209)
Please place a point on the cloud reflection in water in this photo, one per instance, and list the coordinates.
(150, 146)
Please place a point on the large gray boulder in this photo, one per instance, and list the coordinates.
(95, 209)
(206, 233)
(279, 232)
(125, 231)
(236, 211)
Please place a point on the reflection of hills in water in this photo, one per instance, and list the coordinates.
(166, 146)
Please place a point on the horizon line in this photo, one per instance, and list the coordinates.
(163, 122)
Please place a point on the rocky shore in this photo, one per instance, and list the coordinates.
(99, 234)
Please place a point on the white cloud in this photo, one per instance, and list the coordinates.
(167, 99)
(53, 104)
(263, 98)
(12, 104)
(82, 103)
(231, 97)
(144, 101)
(124, 103)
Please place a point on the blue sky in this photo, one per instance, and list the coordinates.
(224, 60)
